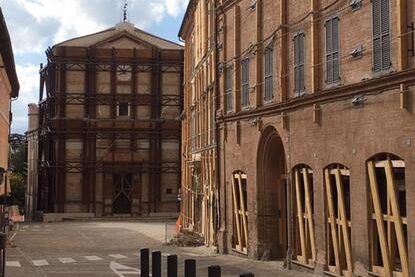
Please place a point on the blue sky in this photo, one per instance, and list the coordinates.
(35, 25)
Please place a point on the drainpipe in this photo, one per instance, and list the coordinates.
(217, 163)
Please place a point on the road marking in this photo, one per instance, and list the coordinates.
(26, 226)
(13, 264)
(118, 256)
(93, 258)
(36, 226)
(123, 270)
(35, 230)
(66, 260)
(14, 234)
(40, 262)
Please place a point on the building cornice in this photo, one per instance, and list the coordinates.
(372, 86)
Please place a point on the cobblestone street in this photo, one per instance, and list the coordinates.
(111, 249)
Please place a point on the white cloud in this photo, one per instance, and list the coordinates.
(29, 82)
(36, 24)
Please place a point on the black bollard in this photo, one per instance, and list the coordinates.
(214, 271)
(144, 262)
(156, 264)
(172, 266)
(250, 274)
(190, 268)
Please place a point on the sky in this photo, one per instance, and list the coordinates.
(34, 25)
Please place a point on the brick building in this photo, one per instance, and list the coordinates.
(199, 153)
(315, 132)
(9, 89)
(109, 130)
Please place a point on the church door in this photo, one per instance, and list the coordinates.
(121, 200)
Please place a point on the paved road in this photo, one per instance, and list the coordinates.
(111, 249)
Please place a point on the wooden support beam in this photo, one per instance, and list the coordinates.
(379, 219)
(344, 221)
(244, 211)
(309, 212)
(236, 214)
(332, 220)
(300, 215)
(397, 220)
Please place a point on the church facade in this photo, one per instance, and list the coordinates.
(108, 134)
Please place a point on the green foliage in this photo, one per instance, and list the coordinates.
(18, 166)
(18, 187)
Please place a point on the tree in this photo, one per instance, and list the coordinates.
(18, 166)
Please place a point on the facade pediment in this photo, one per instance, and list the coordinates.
(123, 42)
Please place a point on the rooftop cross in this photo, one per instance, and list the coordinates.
(125, 18)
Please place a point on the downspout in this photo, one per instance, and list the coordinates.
(217, 163)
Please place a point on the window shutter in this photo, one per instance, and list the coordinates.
(385, 52)
(299, 72)
(384, 10)
(335, 32)
(385, 34)
(335, 54)
(245, 83)
(336, 67)
(381, 35)
(329, 36)
(268, 74)
(296, 63)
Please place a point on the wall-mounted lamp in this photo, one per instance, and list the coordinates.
(179, 195)
(358, 101)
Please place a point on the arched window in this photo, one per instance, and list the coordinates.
(304, 239)
(388, 228)
(337, 187)
(240, 212)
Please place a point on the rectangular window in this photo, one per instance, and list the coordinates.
(381, 35)
(332, 51)
(228, 89)
(268, 75)
(245, 83)
(299, 73)
(123, 109)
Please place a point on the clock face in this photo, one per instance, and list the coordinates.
(124, 73)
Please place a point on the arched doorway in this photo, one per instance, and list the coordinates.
(271, 196)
